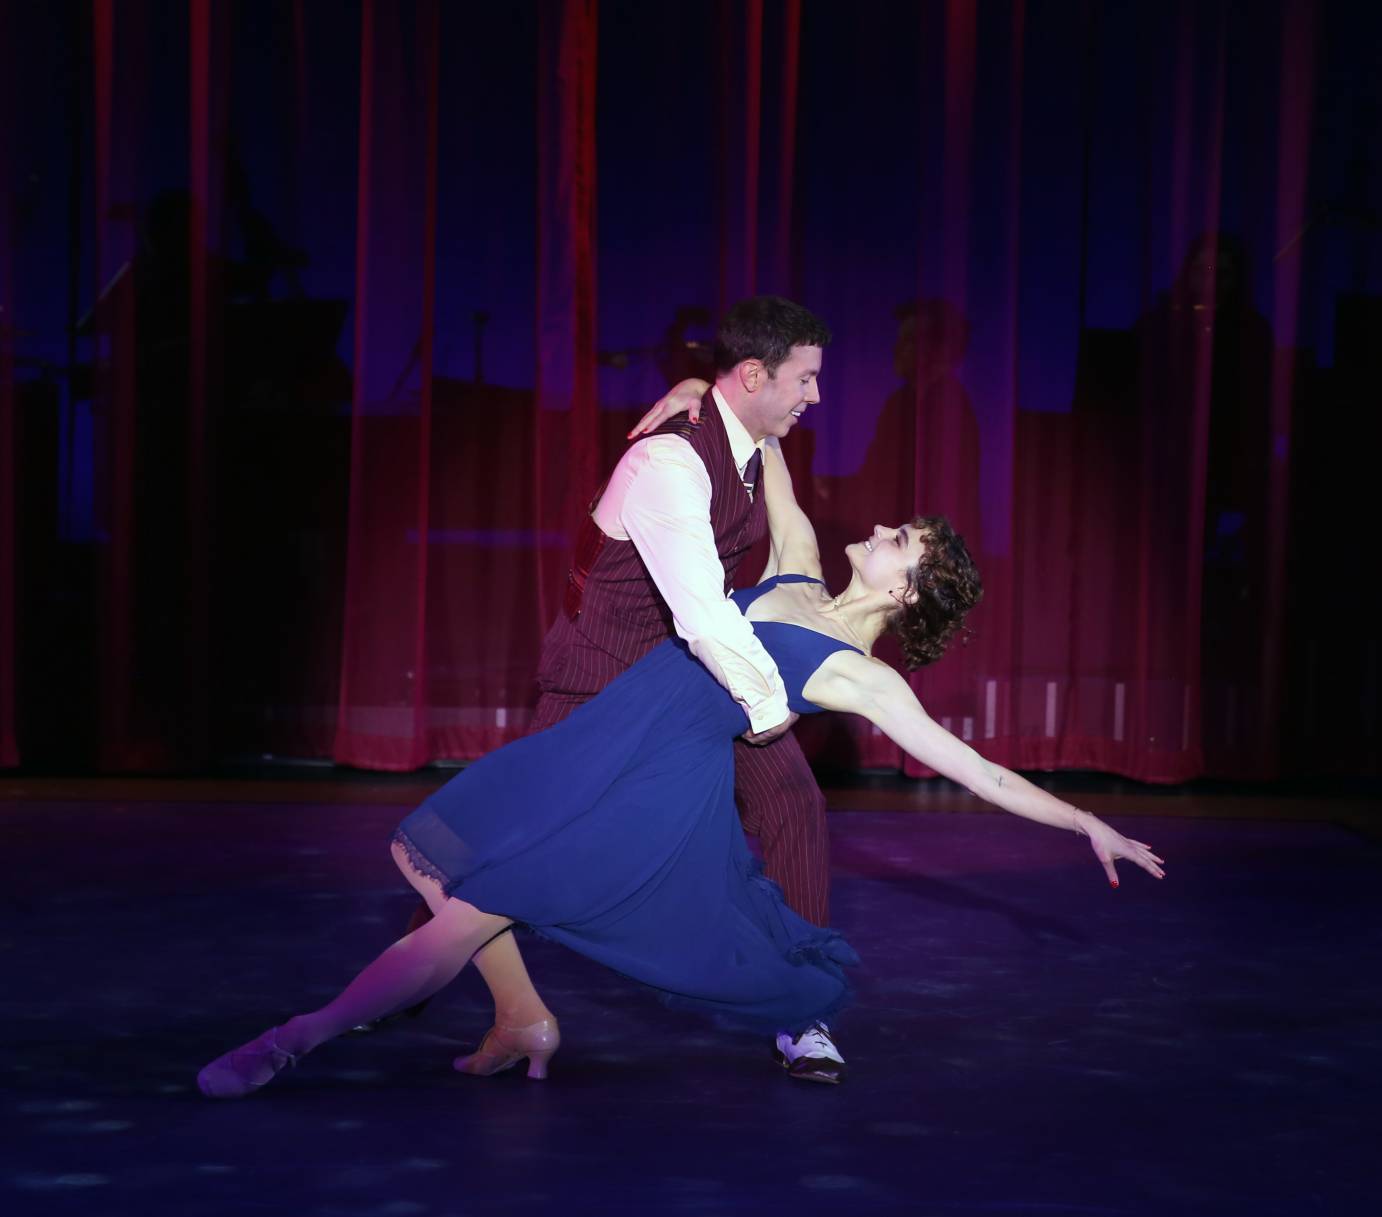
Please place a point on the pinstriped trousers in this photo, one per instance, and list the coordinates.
(778, 801)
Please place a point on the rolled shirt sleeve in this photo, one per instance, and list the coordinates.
(663, 504)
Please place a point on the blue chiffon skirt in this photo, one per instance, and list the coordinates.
(615, 833)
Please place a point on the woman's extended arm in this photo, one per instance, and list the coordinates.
(794, 550)
(871, 688)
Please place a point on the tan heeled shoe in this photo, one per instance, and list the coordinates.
(503, 1047)
(245, 1069)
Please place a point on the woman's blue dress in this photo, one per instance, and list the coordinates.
(615, 833)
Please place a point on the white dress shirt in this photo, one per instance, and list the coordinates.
(658, 497)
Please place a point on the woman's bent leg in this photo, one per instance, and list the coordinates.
(516, 1002)
(499, 962)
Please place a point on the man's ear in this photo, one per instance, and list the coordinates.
(751, 374)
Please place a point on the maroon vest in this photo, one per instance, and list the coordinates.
(613, 614)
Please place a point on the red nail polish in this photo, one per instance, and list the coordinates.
(1113, 883)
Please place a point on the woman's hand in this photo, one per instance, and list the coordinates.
(683, 397)
(1109, 845)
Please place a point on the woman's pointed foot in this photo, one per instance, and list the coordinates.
(245, 1069)
(503, 1047)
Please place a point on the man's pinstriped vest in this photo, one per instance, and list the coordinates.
(612, 613)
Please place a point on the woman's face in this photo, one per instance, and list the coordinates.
(883, 560)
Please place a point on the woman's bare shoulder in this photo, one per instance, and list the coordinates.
(854, 682)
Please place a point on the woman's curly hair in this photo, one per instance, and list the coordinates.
(944, 585)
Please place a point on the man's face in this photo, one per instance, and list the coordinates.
(776, 402)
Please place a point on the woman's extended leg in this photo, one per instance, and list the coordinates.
(416, 966)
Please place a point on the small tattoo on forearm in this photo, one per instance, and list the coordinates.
(1000, 779)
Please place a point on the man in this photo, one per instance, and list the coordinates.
(656, 556)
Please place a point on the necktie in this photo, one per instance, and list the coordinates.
(750, 478)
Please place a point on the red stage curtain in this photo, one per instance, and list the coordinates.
(565, 428)
(383, 721)
(156, 330)
(136, 732)
(374, 293)
(1087, 649)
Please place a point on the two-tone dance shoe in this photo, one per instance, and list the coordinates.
(245, 1069)
(503, 1047)
(811, 1055)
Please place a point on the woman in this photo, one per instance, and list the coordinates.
(615, 832)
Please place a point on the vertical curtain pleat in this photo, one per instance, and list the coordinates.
(122, 743)
(565, 431)
(1004, 597)
(382, 720)
(945, 441)
(9, 490)
(752, 85)
(739, 84)
(429, 57)
(1269, 710)
(208, 81)
(784, 248)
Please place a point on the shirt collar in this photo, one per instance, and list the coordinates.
(741, 445)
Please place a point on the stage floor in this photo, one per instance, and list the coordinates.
(1024, 1040)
